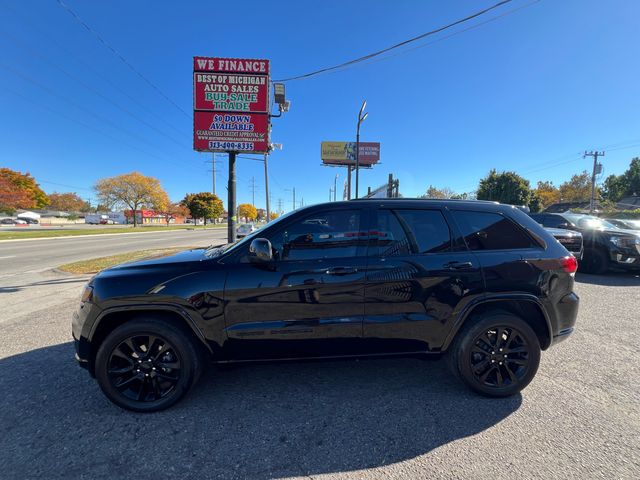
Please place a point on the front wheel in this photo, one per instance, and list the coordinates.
(497, 355)
(146, 365)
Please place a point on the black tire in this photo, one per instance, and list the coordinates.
(595, 261)
(147, 365)
(496, 355)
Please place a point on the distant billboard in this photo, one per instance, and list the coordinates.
(231, 105)
(344, 153)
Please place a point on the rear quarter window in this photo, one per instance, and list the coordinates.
(491, 231)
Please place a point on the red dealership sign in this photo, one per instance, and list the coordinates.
(231, 104)
(235, 132)
(230, 92)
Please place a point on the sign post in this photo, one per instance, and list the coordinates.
(231, 113)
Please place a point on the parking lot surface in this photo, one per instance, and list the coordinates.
(398, 418)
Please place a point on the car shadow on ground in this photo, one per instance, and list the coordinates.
(610, 279)
(245, 421)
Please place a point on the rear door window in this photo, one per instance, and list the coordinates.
(408, 231)
(491, 231)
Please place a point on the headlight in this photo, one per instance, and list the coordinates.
(87, 294)
(625, 242)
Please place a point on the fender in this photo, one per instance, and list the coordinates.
(151, 307)
(490, 298)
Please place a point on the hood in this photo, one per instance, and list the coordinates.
(563, 232)
(187, 258)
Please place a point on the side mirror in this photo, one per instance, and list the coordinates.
(564, 225)
(260, 251)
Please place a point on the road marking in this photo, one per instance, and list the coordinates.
(8, 256)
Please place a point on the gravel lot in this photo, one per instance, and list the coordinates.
(580, 418)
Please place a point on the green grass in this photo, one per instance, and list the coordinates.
(70, 231)
(96, 264)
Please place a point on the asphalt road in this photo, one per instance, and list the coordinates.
(20, 256)
(400, 418)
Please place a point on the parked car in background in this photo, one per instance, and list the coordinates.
(7, 221)
(20, 221)
(569, 239)
(245, 229)
(30, 221)
(624, 223)
(605, 245)
(477, 281)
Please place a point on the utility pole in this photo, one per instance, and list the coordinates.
(231, 200)
(335, 187)
(266, 185)
(294, 198)
(279, 206)
(595, 154)
(348, 182)
(213, 169)
(253, 191)
(362, 115)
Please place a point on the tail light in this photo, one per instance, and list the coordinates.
(569, 264)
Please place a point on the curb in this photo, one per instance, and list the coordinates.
(101, 235)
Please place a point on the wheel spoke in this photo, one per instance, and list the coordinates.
(485, 338)
(156, 388)
(521, 349)
(175, 365)
(478, 368)
(126, 382)
(134, 348)
(512, 376)
(120, 354)
(141, 390)
(484, 376)
(499, 334)
(167, 376)
(121, 370)
(517, 361)
(151, 342)
(499, 378)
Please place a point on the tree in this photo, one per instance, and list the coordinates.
(247, 211)
(131, 190)
(618, 186)
(172, 210)
(68, 202)
(433, 192)
(203, 205)
(34, 196)
(578, 189)
(273, 215)
(11, 196)
(547, 194)
(504, 187)
(614, 188)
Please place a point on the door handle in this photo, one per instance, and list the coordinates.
(341, 270)
(458, 265)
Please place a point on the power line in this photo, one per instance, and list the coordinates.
(90, 88)
(85, 125)
(398, 45)
(86, 65)
(77, 18)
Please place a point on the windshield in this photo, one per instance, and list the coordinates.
(588, 221)
(217, 250)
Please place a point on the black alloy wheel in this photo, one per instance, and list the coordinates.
(144, 368)
(500, 357)
(148, 364)
(496, 355)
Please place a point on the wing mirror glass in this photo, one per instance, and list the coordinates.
(260, 250)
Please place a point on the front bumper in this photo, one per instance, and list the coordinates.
(627, 260)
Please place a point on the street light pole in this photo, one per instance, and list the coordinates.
(361, 119)
(335, 187)
(266, 184)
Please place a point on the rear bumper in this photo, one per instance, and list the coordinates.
(567, 314)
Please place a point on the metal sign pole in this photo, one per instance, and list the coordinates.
(266, 184)
(231, 200)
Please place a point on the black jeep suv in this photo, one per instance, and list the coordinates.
(479, 281)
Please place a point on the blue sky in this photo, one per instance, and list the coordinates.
(526, 92)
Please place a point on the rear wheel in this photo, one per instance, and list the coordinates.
(497, 355)
(147, 365)
(594, 261)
